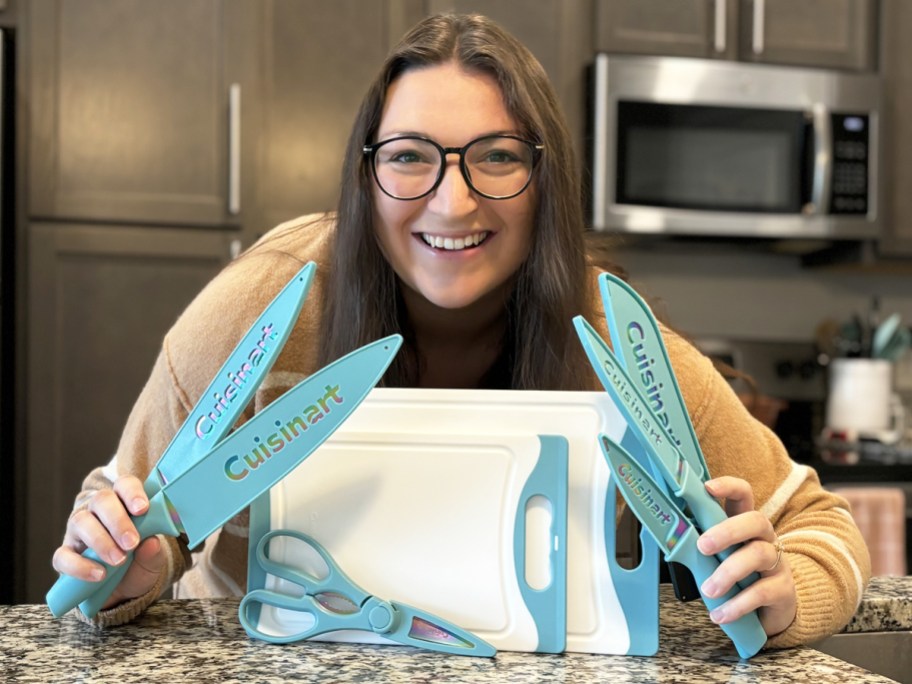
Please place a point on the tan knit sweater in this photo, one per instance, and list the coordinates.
(827, 555)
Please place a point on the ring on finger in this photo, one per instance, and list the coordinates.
(779, 546)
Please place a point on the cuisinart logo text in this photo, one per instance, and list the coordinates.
(238, 467)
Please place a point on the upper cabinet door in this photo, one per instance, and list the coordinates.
(678, 28)
(319, 58)
(840, 34)
(131, 107)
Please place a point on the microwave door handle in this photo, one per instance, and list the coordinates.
(822, 180)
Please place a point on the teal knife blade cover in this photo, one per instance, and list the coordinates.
(677, 538)
(198, 501)
(235, 383)
(272, 443)
(222, 402)
(637, 339)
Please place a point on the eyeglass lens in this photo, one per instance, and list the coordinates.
(497, 166)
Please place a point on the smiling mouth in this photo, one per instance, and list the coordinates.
(451, 244)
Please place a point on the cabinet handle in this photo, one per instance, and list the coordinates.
(823, 161)
(758, 28)
(721, 26)
(234, 149)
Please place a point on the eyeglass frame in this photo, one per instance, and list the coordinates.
(371, 149)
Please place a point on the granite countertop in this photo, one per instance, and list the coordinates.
(202, 641)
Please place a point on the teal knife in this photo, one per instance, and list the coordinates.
(677, 538)
(235, 383)
(683, 481)
(637, 342)
(221, 404)
(256, 456)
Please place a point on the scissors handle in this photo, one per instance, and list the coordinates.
(69, 592)
(333, 601)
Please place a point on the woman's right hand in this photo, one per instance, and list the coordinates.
(105, 526)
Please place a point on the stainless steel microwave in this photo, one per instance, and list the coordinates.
(706, 147)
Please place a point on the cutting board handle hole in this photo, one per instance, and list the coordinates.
(540, 542)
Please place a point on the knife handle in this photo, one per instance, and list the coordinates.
(746, 632)
(708, 512)
(69, 592)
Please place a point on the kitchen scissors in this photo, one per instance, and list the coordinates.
(335, 602)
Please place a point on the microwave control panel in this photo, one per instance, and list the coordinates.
(850, 164)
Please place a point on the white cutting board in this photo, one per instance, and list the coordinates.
(433, 521)
(609, 609)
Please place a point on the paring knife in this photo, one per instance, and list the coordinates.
(256, 456)
(677, 538)
(221, 404)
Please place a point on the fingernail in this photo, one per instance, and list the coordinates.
(117, 557)
(129, 540)
(705, 544)
(709, 588)
(137, 505)
(97, 575)
(717, 615)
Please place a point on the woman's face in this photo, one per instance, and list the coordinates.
(452, 107)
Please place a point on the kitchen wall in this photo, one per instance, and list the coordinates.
(730, 292)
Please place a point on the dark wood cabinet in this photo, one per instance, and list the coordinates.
(100, 299)
(317, 60)
(839, 34)
(131, 109)
(897, 127)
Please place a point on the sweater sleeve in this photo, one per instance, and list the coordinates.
(826, 552)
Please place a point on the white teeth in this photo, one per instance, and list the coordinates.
(454, 244)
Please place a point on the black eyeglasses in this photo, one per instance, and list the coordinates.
(494, 166)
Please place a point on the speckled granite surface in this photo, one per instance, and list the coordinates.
(202, 641)
(887, 606)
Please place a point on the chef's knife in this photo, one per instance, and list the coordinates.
(246, 464)
(638, 344)
(677, 538)
(686, 485)
(230, 391)
(235, 383)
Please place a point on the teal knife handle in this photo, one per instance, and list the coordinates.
(746, 632)
(708, 513)
(69, 592)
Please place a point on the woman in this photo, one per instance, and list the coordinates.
(460, 226)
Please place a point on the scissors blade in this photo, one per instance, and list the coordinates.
(235, 383)
(677, 537)
(250, 461)
(415, 627)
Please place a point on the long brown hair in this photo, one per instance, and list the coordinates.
(362, 295)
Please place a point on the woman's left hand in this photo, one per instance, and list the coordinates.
(773, 595)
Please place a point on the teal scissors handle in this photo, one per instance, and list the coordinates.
(333, 601)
